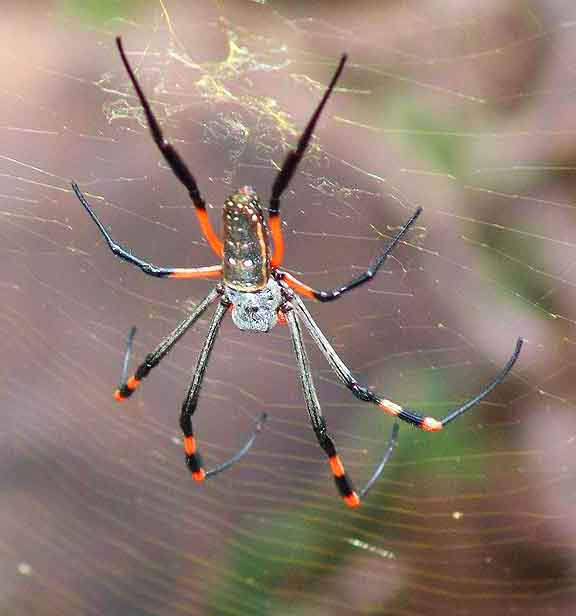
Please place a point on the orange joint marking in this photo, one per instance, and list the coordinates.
(189, 445)
(431, 425)
(118, 396)
(337, 466)
(390, 407)
(132, 383)
(275, 225)
(282, 318)
(298, 286)
(208, 232)
(352, 500)
(199, 475)
(212, 271)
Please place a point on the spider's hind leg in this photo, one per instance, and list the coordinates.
(174, 160)
(289, 168)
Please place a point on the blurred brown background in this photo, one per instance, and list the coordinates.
(464, 108)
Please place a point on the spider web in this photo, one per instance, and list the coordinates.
(463, 108)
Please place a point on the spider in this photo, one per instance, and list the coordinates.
(260, 294)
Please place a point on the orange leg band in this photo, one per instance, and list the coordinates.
(132, 383)
(275, 225)
(337, 466)
(212, 271)
(208, 231)
(125, 391)
(189, 445)
(298, 286)
(352, 500)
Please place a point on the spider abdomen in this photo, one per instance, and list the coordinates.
(246, 257)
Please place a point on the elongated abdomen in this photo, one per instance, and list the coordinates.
(246, 242)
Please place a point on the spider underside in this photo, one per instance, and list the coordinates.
(260, 294)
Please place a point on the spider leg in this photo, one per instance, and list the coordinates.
(343, 483)
(211, 271)
(128, 386)
(289, 167)
(242, 452)
(127, 354)
(193, 459)
(175, 162)
(429, 424)
(327, 296)
(392, 441)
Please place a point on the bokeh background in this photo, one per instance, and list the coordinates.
(463, 108)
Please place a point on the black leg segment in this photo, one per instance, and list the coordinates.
(212, 271)
(128, 386)
(341, 479)
(193, 459)
(429, 424)
(332, 294)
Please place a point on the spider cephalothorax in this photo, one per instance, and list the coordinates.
(255, 311)
(260, 294)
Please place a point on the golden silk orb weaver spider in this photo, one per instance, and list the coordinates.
(260, 294)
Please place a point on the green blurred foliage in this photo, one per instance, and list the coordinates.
(434, 137)
(531, 291)
(431, 134)
(100, 10)
(301, 547)
(295, 550)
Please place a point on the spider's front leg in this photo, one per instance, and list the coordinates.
(193, 458)
(341, 479)
(318, 422)
(426, 423)
(128, 386)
